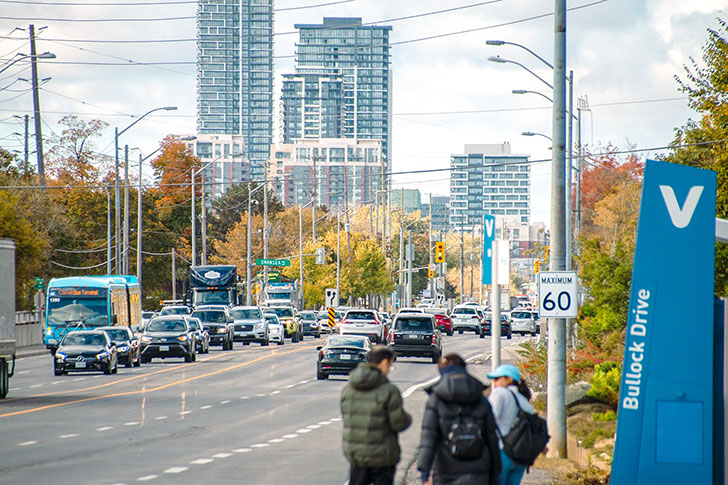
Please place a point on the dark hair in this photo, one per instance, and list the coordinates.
(379, 353)
(450, 360)
(523, 388)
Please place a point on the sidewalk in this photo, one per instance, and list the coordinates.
(409, 440)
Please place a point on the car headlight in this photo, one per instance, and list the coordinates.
(49, 331)
(102, 355)
(146, 338)
(60, 356)
(259, 325)
(182, 338)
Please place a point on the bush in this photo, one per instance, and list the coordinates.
(605, 382)
(534, 363)
(602, 417)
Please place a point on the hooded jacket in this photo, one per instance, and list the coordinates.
(371, 408)
(457, 390)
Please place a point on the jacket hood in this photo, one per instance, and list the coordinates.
(458, 387)
(366, 376)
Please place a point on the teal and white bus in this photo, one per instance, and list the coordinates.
(84, 302)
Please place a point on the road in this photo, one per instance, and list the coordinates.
(252, 415)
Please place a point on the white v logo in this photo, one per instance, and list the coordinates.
(489, 223)
(681, 216)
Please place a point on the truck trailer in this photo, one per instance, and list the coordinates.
(7, 314)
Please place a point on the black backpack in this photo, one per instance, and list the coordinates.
(464, 438)
(527, 438)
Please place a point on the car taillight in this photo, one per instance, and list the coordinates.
(474, 316)
(434, 339)
(373, 322)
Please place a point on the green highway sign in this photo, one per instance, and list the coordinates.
(273, 262)
(274, 277)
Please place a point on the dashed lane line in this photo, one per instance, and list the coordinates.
(105, 428)
(146, 478)
(206, 407)
(202, 461)
(27, 443)
(176, 469)
(222, 455)
(66, 436)
(243, 450)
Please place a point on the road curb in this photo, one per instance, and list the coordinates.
(33, 353)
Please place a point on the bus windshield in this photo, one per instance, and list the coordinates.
(89, 311)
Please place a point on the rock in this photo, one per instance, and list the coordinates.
(576, 392)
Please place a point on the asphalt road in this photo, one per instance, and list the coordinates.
(253, 415)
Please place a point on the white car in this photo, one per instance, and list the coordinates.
(276, 332)
(363, 322)
(466, 317)
(523, 321)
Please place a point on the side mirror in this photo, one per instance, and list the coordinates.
(114, 319)
(319, 348)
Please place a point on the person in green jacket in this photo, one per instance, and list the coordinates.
(373, 414)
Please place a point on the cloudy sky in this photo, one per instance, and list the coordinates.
(624, 54)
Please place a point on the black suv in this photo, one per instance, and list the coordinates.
(168, 336)
(219, 324)
(416, 334)
(485, 325)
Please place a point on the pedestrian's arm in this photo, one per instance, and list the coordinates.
(399, 419)
(429, 439)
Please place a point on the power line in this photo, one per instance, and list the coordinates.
(80, 267)
(158, 19)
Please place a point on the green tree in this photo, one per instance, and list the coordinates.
(703, 143)
(227, 209)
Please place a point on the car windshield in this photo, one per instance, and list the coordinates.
(360, 316)
(308, 316)
(464, 311)
(175, 310)
(413, 324)
(344, 341)
(84, 339)
(272, 319)
(245, 314)
(194, 325)
(118, 335)
(147, 314)
(166, 326)
(503, 317)
(526, 315)
(282, 311)
(214, 316)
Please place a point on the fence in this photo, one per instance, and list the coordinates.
(28, 328)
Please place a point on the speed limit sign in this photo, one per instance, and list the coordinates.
(557, 294)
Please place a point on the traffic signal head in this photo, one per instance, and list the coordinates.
(536, 266)
(430, 273)
(439, 252)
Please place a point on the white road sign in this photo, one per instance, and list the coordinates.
(558, 294)
(331, 298)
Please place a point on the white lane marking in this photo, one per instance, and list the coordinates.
(259, 445)
(290, 436)
(224, 402)
(79, 379)
(105, 428)
(290, 386)
(419, 385)
(185, 412)
(97, 377)
(242, 450)
(276, 440)
(206, 407)
(27, 443)
(55, 382)
(313, 426)
(245, 397)
(260, 395)
(222, 455)
(65, 436)
(303, 430)
(324, 422)
(176, 469)
(335, 419)
(34, 386)
(161, 417)
(131, 423)
(302, 382)
(274, 393)
(201, 461)
(146, 478)
(24, 372)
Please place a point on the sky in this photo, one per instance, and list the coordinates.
(625, 55)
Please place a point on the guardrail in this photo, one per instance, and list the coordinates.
(28, 328)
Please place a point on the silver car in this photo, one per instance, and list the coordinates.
(523, 321)
(249, 325)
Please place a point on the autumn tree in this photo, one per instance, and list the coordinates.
(73, 158)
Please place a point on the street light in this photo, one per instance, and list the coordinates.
(500, 60)
(248, 275)
(503, 42)
(20, 57)
(117, 192)
(532, 133)
(526, 91)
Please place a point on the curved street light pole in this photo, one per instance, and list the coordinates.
(500, 60)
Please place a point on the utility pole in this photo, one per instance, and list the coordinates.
(314, 203)
(567, 175)
(203, 219)
(556, 392)
(109, 253)
(430, 281)
(125, 248)
(174, 274)
(194, 221)
(400, 278)
(462, 260)
(300, 252)
(482, 251)
(248, 272)
(495, 322)
(25, 148)
(117, 204)
(36, 109)
(338, 257)
(410, 251)
(472, 260)
(139, 225)
(265, 226)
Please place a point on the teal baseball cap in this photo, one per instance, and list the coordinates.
(506, 370)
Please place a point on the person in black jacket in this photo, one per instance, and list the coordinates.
(457, 392)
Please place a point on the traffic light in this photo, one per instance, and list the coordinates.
(536, 266)
(439, 252)
(548, 250)
(430, 273)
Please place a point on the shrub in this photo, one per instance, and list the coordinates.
(605, 382)
(602, 417)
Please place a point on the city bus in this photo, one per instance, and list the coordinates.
(83, 302)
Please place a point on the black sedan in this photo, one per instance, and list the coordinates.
(129, 351)
(310, 324)
(485, 325)
(341, 354)
(168, 336)
(85, 350)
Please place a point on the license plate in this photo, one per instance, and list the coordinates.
(164, 348)
(345, 356)
(413, 336)
(80, 365)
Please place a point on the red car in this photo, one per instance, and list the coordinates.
(444, 324)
